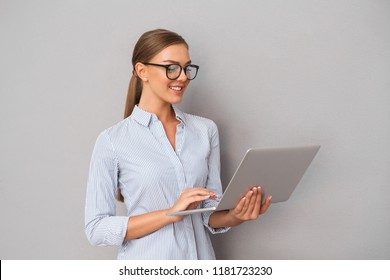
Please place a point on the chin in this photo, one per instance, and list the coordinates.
(176, 101)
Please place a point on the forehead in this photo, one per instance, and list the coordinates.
(173, 53)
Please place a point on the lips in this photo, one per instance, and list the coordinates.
(176, 88)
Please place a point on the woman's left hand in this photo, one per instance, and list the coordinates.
(250, 206)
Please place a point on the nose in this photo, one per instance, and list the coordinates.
(182, 76)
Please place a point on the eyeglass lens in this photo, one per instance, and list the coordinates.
(174, 71)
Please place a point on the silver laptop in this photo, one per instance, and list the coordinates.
(277, 170)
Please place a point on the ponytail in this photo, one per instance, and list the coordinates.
(133, 98)
(133, 94)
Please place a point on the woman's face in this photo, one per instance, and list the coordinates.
(156, 85)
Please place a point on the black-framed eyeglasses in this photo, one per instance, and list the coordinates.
(173, 71)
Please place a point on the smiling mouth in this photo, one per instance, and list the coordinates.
(176, 88)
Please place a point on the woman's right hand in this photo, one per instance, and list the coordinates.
(190, 198)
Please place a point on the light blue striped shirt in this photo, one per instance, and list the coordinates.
(136, 156)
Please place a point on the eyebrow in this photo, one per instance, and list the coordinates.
(177, 62)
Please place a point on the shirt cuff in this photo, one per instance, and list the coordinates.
(206, 217)
(108, 231)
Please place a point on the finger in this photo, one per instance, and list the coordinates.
(266, 205)
(189, 196)
(190, 202)
(198, 198)
(258, 201)
(194, 197)
(247, 200)
(240, 205)
(197, 191)
(253, 210)
(193, 205)
(252, 200)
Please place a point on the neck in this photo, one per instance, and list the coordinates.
(164, 112)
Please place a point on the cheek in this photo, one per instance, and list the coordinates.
(157, 75)
(158, 83)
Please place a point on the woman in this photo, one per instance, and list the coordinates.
(159, 160)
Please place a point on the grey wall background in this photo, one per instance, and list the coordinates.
(273, 73)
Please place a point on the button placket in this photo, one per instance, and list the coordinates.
(180, 177)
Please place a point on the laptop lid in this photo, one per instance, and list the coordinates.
(277, 170)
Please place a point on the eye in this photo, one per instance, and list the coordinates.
(173, 68)
(191, 71)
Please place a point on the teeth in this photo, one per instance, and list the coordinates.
(175, 88)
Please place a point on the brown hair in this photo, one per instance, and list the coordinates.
(148, 45)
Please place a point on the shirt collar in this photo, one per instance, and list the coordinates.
(144, 118)
(179, 115)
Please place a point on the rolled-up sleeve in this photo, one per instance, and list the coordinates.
(102, 226)
(214, 178)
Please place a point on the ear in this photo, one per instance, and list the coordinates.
(141, 71)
